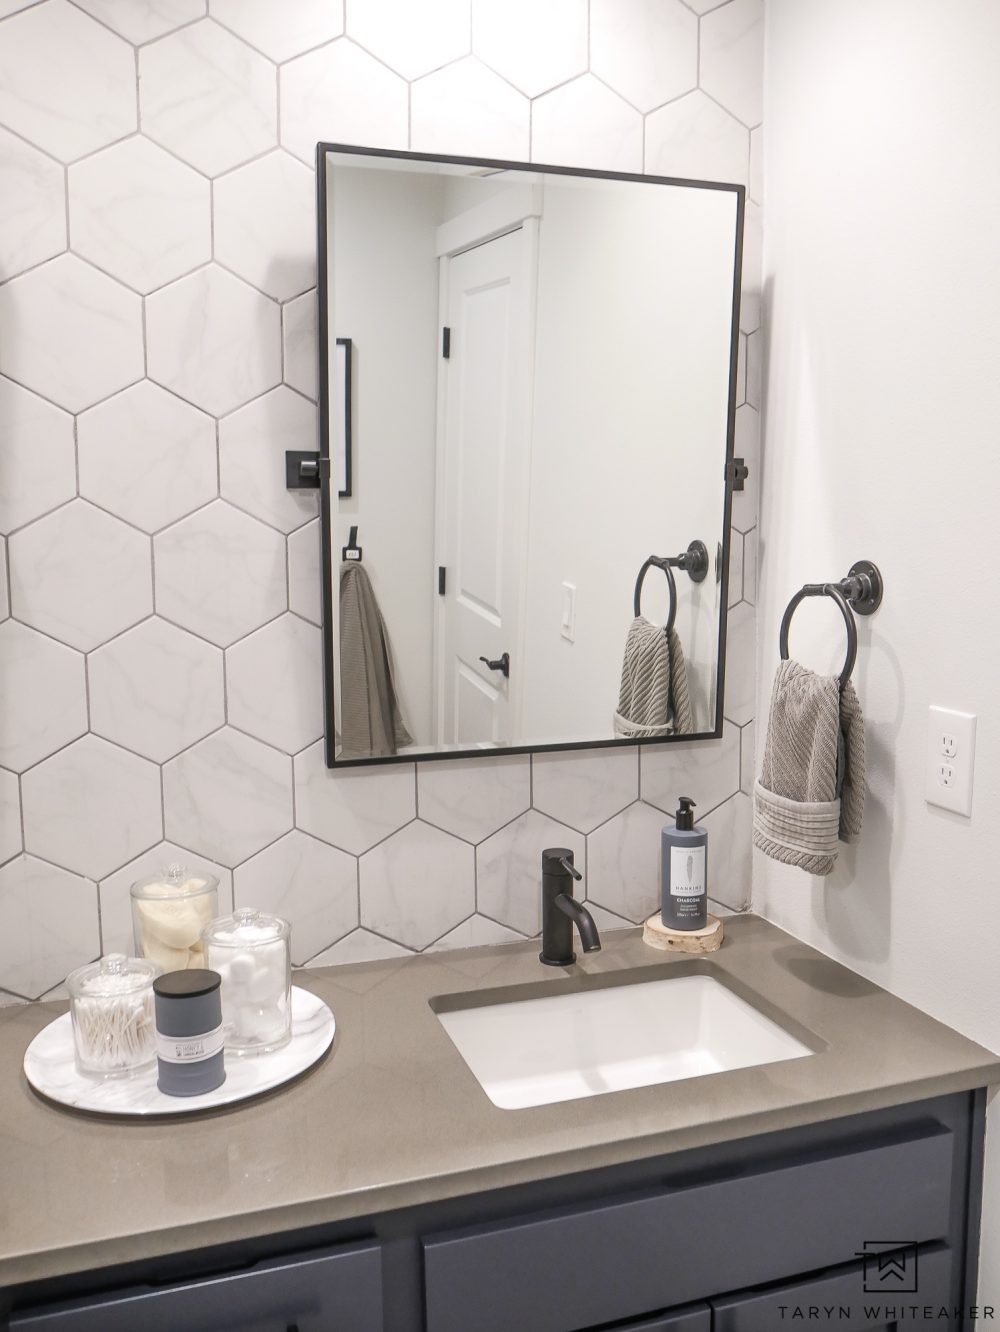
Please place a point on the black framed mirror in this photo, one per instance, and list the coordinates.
(527, 405)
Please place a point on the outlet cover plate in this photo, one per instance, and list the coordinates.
(951, 759)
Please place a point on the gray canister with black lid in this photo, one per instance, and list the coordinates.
(189, 1033)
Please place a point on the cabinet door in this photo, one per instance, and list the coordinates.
(692, 1318)
(845, 1299)
(331, 1290)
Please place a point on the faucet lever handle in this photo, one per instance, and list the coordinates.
(570, 868)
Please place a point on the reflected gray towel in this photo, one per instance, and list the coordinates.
(811, 790)
(370, 720)
(654, 697)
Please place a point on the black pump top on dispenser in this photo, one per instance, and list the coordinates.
(684, 819)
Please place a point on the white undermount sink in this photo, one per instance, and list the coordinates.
(559, 1047)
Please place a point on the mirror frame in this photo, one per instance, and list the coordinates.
(327, 495)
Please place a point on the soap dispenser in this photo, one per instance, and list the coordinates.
(684, 871)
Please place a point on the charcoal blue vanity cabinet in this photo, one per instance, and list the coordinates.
(732, 1237)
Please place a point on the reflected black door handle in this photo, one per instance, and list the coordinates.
(501, 664)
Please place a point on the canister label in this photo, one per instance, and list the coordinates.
(687, 871)
(189, 1049)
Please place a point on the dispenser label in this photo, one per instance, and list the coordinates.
(687, 871)
(189, 1049)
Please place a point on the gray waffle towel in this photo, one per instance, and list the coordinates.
(811, 790)
(370, 720)
(654, 697)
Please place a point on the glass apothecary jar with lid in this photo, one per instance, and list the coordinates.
(111, 1011)
(251, 952)
(169, 912)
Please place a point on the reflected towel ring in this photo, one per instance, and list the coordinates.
(655, 561)
(823, 590)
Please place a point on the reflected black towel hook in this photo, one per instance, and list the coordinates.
(860, 591)
(352, 551)
(657, 562)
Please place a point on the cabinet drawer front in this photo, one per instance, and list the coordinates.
(575, 1268)
(844, 1292)
(331, 1290)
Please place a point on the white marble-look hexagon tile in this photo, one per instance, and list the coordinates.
(10, 815)
(139, 214)
(741, 371)
(340, 94)
(50, 925)
(732, 58)
(43, 702)
(144, 20)
(606, 920)
(208, 97)
(264, 224)
(647, 50)
(116, 902)
(585, 124)
(304, 577)
(55, 60)
(735, 569)
(741, 649)
(4, 598)
(476, 932)
(80, 575)
(472, 798)
(757, 164)
(754, 347)
(748, 762)
(411, 39)
(252, 445)
(708, 772)
(274, 684)
(306, 882)
(213, 340)
(359, 946)
(729, 855)
(298, 337)
(750, 285)
(623, 862)
(8, 7)
(281, 31)
(39, 462)
(220, 573)
(417, 884)
(91, 807)
(228, 796)
(534, 44)
(352, 808)
(494, 120)
(156, 690)
(694, 137)
(747, 446)
(32, 206)
(509, 869)
(750, 567)
(70, 333)
(147, 456)
(582, 788)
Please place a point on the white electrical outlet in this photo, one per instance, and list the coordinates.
(951, 758)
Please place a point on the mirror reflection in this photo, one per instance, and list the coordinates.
(528, 409)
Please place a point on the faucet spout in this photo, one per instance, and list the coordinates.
(561, 911)
(583, 921)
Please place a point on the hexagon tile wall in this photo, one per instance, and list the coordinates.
(159, 591)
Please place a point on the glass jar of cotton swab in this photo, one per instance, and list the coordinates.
(111, 1007)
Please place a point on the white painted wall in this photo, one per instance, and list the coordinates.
(882, 402)
(384, 296)
(628, 437)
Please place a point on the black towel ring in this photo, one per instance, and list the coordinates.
(823, 590)
(656, 561)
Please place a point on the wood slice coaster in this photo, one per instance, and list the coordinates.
(706, 940)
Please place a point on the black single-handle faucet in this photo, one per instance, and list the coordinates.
(561, 911)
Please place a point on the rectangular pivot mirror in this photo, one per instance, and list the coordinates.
(528, 387)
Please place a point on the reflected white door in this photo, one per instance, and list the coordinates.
(484, 414)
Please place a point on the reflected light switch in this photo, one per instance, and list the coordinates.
(567, 620)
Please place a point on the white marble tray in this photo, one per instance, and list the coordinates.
(49, 1067)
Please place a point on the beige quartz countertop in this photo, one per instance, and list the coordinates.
(392, 1116)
